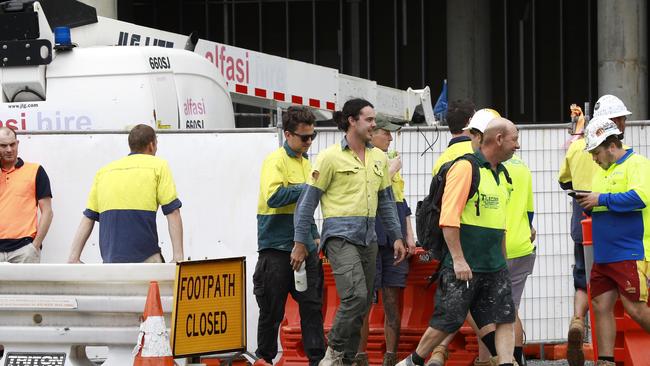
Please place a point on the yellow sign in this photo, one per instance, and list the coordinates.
(209, 314)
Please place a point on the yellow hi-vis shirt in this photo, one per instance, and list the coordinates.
(350, 192)
(520, 207)
(397, 183)
(282, 180)
(124, 199)
(578, 167)
(454, 150)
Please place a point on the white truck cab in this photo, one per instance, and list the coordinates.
(108, 88)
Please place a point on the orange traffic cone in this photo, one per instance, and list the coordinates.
(153, 347)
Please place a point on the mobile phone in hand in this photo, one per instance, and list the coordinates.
(577, 192)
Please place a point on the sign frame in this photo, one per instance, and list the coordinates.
(177, 289)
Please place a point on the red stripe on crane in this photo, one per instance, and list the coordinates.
(296, 99)
(260, 92)
(314, 103)
(239, 88)
(330, 105)
(278, 96)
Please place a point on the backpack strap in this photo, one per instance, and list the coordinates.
(476, 175)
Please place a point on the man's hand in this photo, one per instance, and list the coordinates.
(394, 165)
(177, 259)
(533, 234)
(410, 246)
(75, 261)
(588, 200)
(37, 244)
(462, 270)
(298, 255)
(399, 251)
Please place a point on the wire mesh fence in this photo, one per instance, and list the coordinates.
(547, 303)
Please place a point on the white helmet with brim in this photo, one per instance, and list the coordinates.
(598, 130)
(610, 106)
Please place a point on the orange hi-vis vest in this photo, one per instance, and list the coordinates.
(18, 203)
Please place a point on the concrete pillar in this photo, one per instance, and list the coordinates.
(468, 51)
(105, 8)
(623, 53)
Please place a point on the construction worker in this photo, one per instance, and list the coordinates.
(124, 199)
(474, 275)
(619, 205)
(577, 172)
(283, 177)
(352, 183)
(389, 278)
(486, 347)
(24, 191)
(520, 235)
(459, 112)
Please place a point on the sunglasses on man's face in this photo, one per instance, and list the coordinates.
(305, 138)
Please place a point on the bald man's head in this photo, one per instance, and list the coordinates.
(501, 139)
(7, 131)
(496, 126)
(8, 147)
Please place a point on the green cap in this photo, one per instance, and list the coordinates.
(383, 123)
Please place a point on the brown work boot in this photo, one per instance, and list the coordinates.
(361, 359)
(493, 361)
(574, 354)
(438, 356)
(605, 363)
(390, 359)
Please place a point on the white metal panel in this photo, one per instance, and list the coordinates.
(216, 175)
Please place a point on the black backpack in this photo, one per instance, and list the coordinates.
(427, 212)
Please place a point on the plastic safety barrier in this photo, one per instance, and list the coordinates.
(417, 307)
(52, 312)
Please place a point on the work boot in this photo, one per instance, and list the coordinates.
(493, 361)
(438, 356)
(361, 359)
(332, 358)
(574, 354)
(406, 362)
(390, 359)
(605, 363)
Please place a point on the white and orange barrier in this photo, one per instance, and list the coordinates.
(50, 313)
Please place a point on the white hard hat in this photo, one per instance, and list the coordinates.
(481, 118)
(610, 106)
(598, 129)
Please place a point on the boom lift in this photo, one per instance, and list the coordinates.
(50, 84)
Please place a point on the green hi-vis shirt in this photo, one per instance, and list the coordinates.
(483, 217)
(282, 180)
(351, 193)
(520, 208)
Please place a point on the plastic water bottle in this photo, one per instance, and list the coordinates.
(300, 278)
